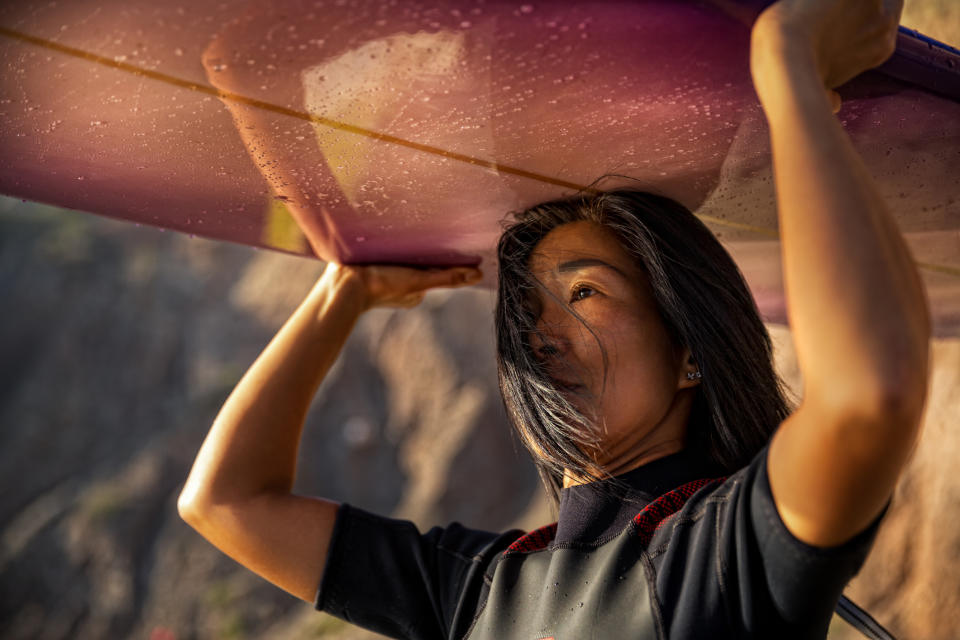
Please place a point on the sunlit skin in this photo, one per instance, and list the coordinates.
(645, 404)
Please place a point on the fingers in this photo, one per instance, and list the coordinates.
(455, 277)
(411, 300)
(395, 286)
(433, 278)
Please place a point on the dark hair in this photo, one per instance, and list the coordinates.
(704, 303)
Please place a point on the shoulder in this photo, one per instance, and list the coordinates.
(752, 575)
(683, 506)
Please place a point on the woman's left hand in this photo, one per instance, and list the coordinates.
(845, 37)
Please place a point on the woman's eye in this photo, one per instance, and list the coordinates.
(580, 292)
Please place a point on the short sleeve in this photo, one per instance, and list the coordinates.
(382, 574)
(776, 581)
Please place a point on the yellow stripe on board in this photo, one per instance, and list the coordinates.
(940, 268)
(280, 230)
(342, 126)
(738, 225)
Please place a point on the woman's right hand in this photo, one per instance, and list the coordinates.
(395, 286)
(842, 38)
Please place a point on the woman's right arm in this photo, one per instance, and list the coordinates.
(238, 494)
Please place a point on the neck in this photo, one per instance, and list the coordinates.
(662, 450)
(637, 448)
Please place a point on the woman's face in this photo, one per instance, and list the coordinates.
(641, 411)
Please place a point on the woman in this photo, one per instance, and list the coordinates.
(680, 516)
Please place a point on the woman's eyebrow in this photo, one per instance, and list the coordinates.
(573, 265)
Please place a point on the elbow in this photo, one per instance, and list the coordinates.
(898, 406)
(904, 396)
(896, 396)
(892, 413)
(186, 511)
(902, 402)
(906, 408)
(189, 505)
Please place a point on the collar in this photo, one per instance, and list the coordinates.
(597, 511)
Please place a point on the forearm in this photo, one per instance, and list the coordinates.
(855, 300)
(252, 446)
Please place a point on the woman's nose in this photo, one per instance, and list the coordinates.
(548, 340)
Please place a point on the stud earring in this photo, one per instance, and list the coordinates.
(695, 375)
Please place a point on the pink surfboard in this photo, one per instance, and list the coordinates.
(372, 131)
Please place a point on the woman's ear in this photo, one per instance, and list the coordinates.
(689, 370)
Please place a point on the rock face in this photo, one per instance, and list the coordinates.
(120, 344)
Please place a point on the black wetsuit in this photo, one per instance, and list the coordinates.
(679, 556)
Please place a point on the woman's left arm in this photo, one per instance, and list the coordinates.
(855, 301)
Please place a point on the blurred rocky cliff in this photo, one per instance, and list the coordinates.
(119, 344)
